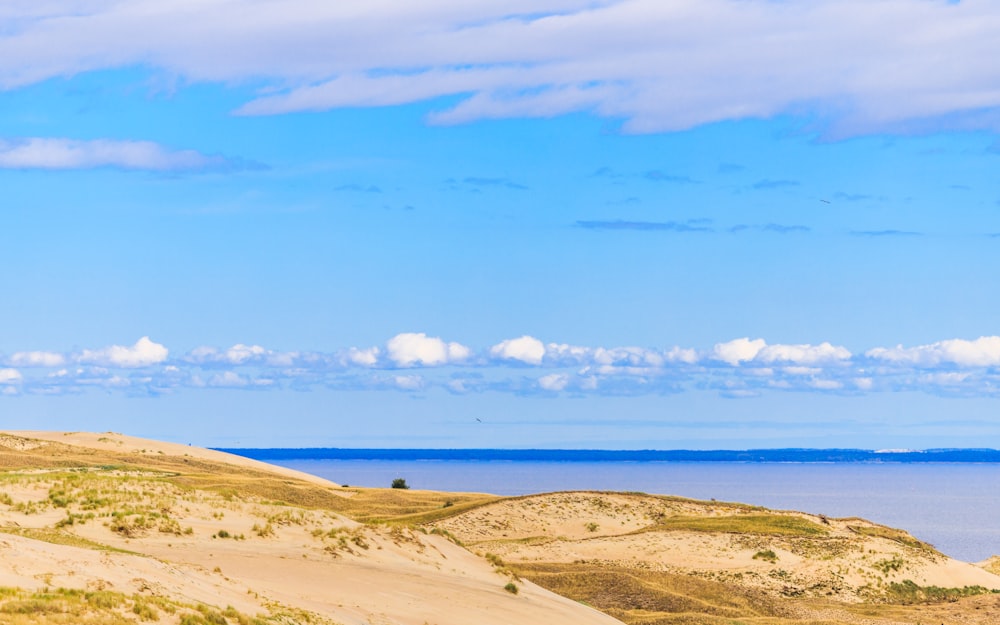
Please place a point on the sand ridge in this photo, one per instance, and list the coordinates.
(187, 531)
(134, 531)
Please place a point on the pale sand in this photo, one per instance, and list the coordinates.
(113, 441)
(607, 528)
(401, 577)
(364, 575)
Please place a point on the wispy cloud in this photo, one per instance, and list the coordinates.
(479, 181)
(768, 183)
(840, 196)
(62, 154)
(885, 233)
(660, 176)
(524, 365)
(692, 225)
(359, 188)
(772, 227)
(858, 66)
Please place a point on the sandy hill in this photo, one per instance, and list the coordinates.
(105, 528)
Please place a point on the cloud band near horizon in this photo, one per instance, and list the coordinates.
(417, 363)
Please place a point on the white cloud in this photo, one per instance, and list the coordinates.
(826, 385)
(738, 350)
(683, 355)
(61, 153)
(410, 348)
(37, 359)
(801, 370)
(981, 352)
(408, 382)
(954, 367)
(10, 376)
(144, 353)
(802, 354)
(363, 357)
(562, 353)
(659, 66)
(628, 356)
(527, 349)
(228, 379)
(945, 378)
(553, 382)
(239, 353)
(745, 350)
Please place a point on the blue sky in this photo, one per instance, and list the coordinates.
(637, 224)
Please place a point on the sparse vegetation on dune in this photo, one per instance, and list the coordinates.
(769, 524)
(104, 607)
(643, 559)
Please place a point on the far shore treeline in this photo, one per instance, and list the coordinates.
(595, 455)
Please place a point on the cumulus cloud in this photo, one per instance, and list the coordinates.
(738, 350)
(862, 66)
(736, 368)
(526, 349)
(802, 354)
(61, 153)
(228, 379)
(981, 352)
(745, 350)
(408, 382)
(416, 348)
(363, 357)
(37, 359)
(553, 382)
(144, 353)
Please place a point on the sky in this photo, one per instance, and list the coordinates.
(605, 224)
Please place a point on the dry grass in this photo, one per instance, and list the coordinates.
(645, 597)
(763, 524)
(64, 606)
(894, 535)
(143, 490)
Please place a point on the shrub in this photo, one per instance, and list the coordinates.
(511, 587)
(767, 555)
(400, 483)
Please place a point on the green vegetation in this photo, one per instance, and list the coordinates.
(769, 524)
(511, 587)
(400, 483)
(767, 555)
(104, 607)
(894, 564)
(894, 535)
(909, 593)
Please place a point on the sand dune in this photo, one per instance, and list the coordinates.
(224, 549)
(106, 524)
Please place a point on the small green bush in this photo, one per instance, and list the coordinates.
(400, 483)
(511, 587)
(767, 555)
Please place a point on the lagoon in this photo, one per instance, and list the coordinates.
(954, 506)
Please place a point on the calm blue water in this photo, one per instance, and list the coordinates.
(954, 506)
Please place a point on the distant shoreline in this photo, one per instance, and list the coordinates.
(792, 455)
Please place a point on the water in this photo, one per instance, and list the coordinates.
(953, 506)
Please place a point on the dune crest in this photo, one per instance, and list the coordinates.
(107, 526)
